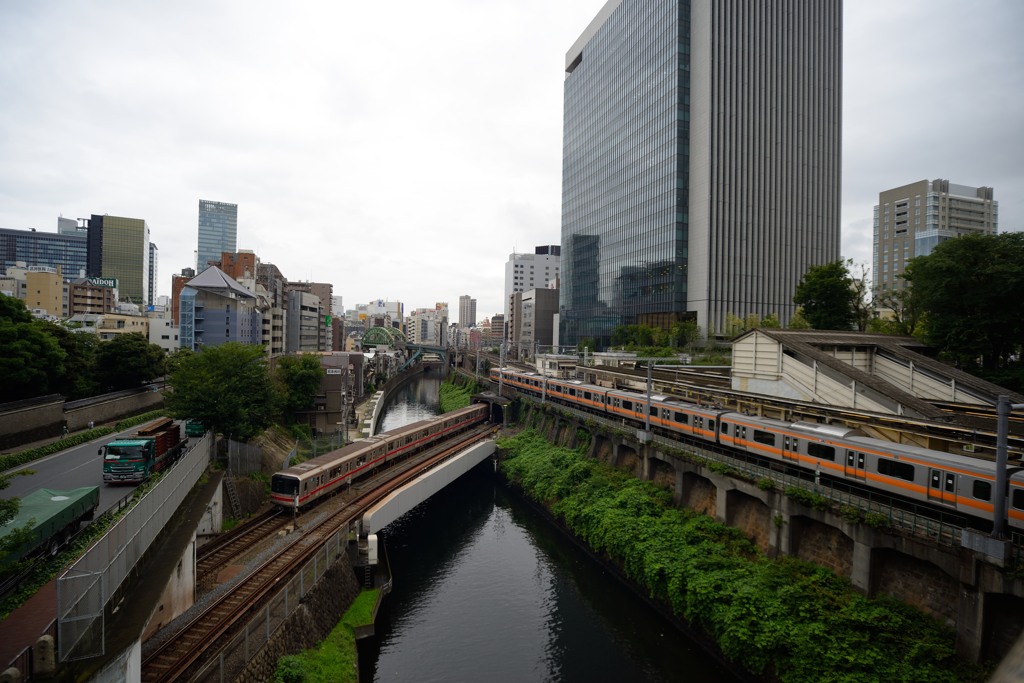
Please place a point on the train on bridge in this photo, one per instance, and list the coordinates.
(953, 482)
(302, 485)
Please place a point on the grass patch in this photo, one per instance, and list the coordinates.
(334, 660)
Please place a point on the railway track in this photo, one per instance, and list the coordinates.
(213, 556)
(181, 654)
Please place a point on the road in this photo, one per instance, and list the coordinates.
(71, 469)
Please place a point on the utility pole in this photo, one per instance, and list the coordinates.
(1003, 408)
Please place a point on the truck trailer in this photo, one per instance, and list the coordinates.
(52, 518)
(130, 460)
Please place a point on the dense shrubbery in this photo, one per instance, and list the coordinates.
(334, 660)
(783, 619)
(453, 396)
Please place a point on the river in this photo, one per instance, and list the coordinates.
(485, 589)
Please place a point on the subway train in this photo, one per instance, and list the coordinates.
(304, 484)
(952, 482)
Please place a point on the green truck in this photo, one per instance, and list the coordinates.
(152, 448)
(50, 519)
(195, 428)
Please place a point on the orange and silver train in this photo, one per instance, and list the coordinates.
(303, 484)
(950, 481)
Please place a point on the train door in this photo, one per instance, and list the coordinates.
(854, 465)
(789, 448)
(942, 486)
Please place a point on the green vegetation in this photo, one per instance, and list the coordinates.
(228, 387)
(41, 357)
(454, 396)
(334, 660)
(786, 620)
(970, 292)
(299, 377)
(828, 297)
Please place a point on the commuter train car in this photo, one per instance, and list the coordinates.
(303, 484)
(932, 477)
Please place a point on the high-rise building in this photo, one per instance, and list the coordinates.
(153, 274)
(119, 249)
(538, 270)
(701, 161)
(218, 231)
(911, 220)
(46, 249)
(467, 311)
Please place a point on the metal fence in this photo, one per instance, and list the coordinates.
(244, 459)
(261, 627)
(881, 508)
(84, 589)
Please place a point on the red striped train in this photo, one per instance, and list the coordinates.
(955, 482)
(304, 484)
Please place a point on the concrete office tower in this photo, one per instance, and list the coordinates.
(218, 231)
(118, 248)
(701, 161)
(467, 311)
(47, 249)
(911, 220)
(154, 258)
(538, 270)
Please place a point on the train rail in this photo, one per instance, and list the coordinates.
(180, 655)
(213, 556)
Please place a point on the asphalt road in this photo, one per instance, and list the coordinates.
(70, 469)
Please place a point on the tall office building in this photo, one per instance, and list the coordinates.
(46, 249)
(911, 220)
(218, 231)
(467, 311)
(119, 249)
(538, 270)
(701, 161)
(153, 274)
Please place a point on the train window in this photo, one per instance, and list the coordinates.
(766, 438)
(892, 468)
(711, 425)
(725, 428)
(682, 418)
(982, 490)
(1017, 499)
(586, 395)
(820, 450)
(653, 410)
(627, 405)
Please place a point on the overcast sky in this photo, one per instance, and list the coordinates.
(402, 150)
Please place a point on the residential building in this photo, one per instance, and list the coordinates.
(47, 249)
(163, 332)
(45, 291)
(531, 271)
(218, 231)
(427, 326)
(467, 311)
(214, 309)
(305, 330)
(538, 308)
(119, 249)
(92, 295)
(340, 389)
(178, 283)
(701, 161)
(911, 220)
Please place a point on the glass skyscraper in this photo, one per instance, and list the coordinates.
(218, 231)
(701, 161)
(119, 249)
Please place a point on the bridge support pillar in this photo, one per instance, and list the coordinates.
(860, 573)
(970, 625)
(721, 504)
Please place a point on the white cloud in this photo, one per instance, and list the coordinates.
(405, 150)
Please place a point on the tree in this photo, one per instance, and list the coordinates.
(300, 377)
(902, 317)
(127, 361)
(971, 291)
(863, 310)
(227, 387)
(32, 361)
(826, 294)
(78, 377)
(799, 320)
